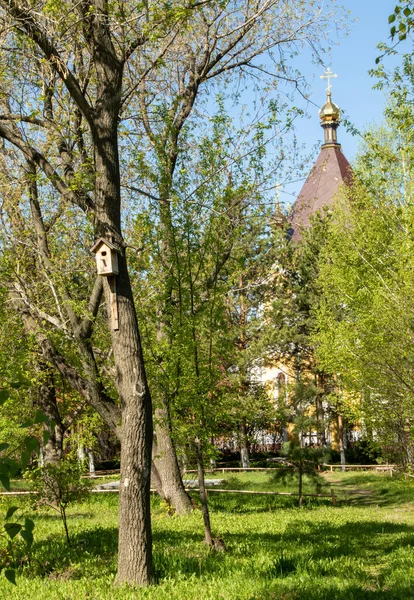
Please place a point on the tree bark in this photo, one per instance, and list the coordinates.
(300, 502)
(341, 442)
(244, 448)
(165, 458)
(135, 538)
(46, 401)
(208, 538)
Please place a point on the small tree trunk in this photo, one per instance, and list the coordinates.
(341, 442)
(321, 440)
(81, 453)
(244, 449)
(300, 491)
(203, 494)
(46, 401)
(91, 459)
(165, 458)
(65, 522)
(41, 457)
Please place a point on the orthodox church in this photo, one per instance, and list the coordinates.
(330, 171)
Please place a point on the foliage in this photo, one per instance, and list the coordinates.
(16, 539)
(16, 532)
(58, 486)
(364, 320)
(401, 21)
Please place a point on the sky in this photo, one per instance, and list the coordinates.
(352, 89)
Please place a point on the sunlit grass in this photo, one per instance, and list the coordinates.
(361, 549)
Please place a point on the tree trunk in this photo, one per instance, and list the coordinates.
(135, 538)
(244, 448)
(46, 401)
(208, 538)
(300, 502)
(341, 442)
(320, 419)
(91, 461)
(166, 462)
(166, 456)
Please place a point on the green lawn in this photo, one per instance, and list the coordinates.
(362, 549)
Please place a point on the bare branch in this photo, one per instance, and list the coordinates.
(82, 200)
(35, 32)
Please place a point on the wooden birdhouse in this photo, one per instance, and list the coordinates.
(106, 256)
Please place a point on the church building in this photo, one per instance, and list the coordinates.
(329, 172)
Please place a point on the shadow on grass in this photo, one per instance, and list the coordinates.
(55, 516)
(360, 539)
(353, 592)
(54, 555)
(245, 504)
(365, 489)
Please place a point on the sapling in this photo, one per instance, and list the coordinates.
(301, 462)
(58, 485)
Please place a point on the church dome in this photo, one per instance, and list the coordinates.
(330, 112)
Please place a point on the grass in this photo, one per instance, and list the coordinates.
(362, 549)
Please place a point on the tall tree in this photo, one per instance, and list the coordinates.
(71, 74)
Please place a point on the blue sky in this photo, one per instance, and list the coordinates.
(352, 89)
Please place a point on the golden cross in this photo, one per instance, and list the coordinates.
(328, 75)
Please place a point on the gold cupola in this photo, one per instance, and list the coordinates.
(330, 112)
(330, 116)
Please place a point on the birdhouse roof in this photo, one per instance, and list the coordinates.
(103, 242)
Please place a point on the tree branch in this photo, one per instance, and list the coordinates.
(82, 200)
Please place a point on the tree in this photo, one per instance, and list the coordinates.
(167, 108)
(81, 70)
(58, 485)
(364, 321)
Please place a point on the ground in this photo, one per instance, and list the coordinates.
(361, 549)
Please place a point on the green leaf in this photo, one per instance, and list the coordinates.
(4, 446)
(407, 11)
(25, 459)
(10, 575)
(12, 529)
(31, 443)
(11, 512)
(40, 417)
(391, 18)
(27, 536)
(18, 384)
(4, 395)
(5, 481)
(29, 524)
